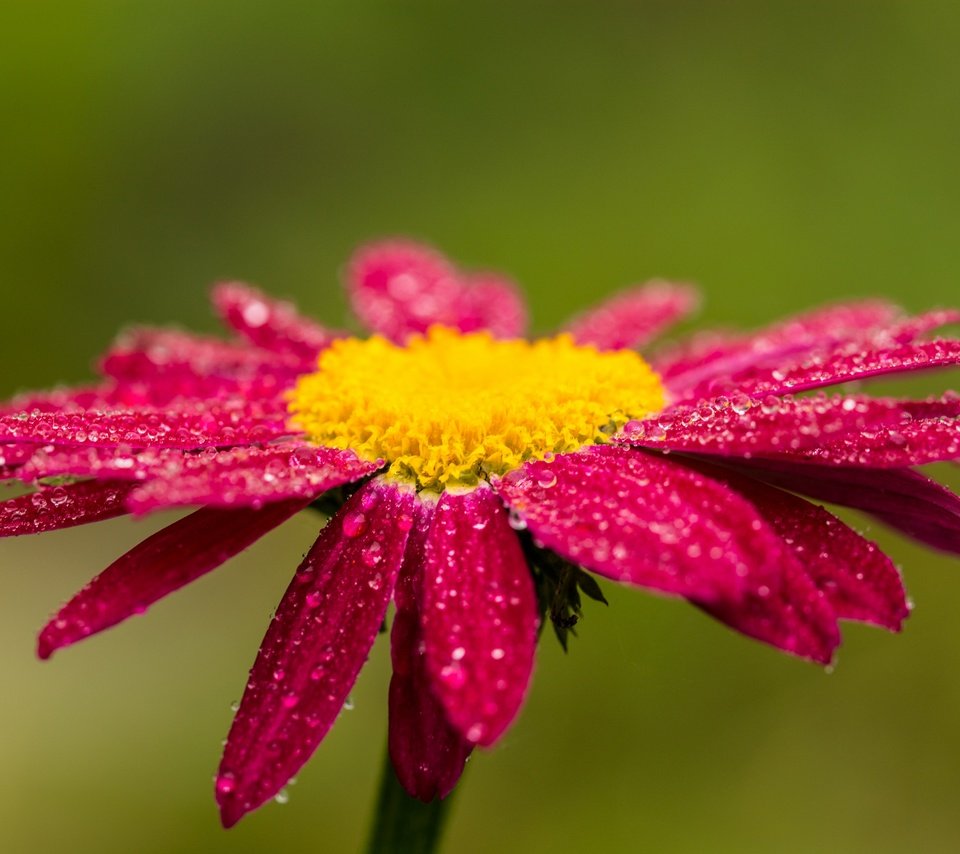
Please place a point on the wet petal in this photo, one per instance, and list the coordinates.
(399, 288)
(858, 579)
(104, 463)
(641, 519)
(145, 352)
(64, 399)
(901, 498)
(879, 353)
(55, 507)
(713, 355)
(161, 564)
(493, 302)
(314, 648)
(248, 477)
(636, 316)
(791, 614)
(843, 430)
(15, 455)
(157, 366)
(271, 324)
(479, 616)
(200, 425)
(428, 754)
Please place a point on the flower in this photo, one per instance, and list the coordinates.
(472, 477)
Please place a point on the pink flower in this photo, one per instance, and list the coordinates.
(472, 475)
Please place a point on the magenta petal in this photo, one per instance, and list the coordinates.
(103, 463)
(248, 477)
(710, 355)
(493, 302)
(901, 498)
(914, 443)
(199, 425)
(641, 519)
(427, 753)
(14, 455)
(791, 614)
(57, 507)
(145, 353)
(157, 366)
(858, 360)
(161, 564)
(858, 579)
(315, 646)
(400, 288)
(269, 323)
(479, 616)
(64, 399)
(842, 430)
(636, 316)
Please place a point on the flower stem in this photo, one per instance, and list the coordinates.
(402, 824)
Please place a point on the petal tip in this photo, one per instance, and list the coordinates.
(45, 647)
(230, 814)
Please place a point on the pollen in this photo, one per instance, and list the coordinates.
(450, 408)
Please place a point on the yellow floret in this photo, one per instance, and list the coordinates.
(450, 408)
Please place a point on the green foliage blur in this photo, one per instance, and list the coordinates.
(780, 154)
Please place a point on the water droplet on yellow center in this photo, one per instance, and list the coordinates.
(449, 408)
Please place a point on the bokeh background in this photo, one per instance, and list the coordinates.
(781, 154)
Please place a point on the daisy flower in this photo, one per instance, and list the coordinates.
(472, 476)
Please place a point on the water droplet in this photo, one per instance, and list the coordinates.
(517, 522)
(354, 524)
(546, 479)
(226, 783)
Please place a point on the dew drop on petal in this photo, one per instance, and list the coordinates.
(354, 524)
(226, 783)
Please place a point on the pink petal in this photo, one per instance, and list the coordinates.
(711, 355)
(157, 366)
(790, 614)
(165, 562)
(248, 477)
(479, 615)
(271, 324)
(842, 430)
(65, 399)
(145, 352)
(495, 303)
(641, 519)
(314, 648)
(851, 363)
(871, 353)
(104, 463)
(901, 498)
(644, 520)
(15, 455)
(194, 426)
(636, 316)
(55, 507)
(400, 288)
(428, 754)
(859, 580)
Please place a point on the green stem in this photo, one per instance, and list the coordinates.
(404, 825)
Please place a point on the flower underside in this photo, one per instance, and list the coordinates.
(451, 408)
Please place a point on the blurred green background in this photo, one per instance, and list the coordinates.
(781, 154)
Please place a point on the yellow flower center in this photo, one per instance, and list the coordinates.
(450, 408)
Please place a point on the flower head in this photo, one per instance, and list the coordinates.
(472, 477)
